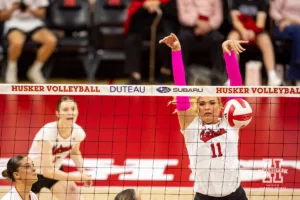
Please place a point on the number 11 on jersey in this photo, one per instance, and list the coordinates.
(216, 150)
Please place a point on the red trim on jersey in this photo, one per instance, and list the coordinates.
(21, 196)
(208, 134)
(60, 149)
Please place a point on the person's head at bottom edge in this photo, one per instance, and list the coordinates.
(128, 194)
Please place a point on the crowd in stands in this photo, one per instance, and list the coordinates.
(201, 25)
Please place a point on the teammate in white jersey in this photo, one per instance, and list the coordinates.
(51, 145)
(21, 171)
(211, 144)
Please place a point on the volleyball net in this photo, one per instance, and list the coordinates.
(133, 138)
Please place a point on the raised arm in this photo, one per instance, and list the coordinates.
(185, 114)
(230, 48)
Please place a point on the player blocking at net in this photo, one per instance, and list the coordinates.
(211, 143)
(21, 172)
(51, 145)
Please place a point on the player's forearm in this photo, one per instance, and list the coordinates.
(183, 103)
(78, 160)
(59, 175)
(233, 69)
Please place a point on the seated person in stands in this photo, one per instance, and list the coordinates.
(24, 20)
(200, 21)
(286, 14)
(249, 19)
(92, 4)
(137, 26)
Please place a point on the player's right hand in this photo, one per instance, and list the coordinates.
(84, 178)
(172, 42)
(233, 45)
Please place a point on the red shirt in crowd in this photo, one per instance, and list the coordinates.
(133, 8)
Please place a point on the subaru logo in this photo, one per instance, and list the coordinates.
(163, 89)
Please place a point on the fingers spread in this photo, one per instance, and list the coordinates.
(239, 48)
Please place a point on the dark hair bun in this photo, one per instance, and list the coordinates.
(5, 174)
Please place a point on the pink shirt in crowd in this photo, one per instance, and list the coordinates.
(289, 9)
(190, 10)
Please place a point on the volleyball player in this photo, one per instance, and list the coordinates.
(128, 194)
(211, 144)
(51, 145)
(21, 171)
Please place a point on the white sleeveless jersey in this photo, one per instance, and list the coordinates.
(13, 194)
(213, 154)
(61, 147)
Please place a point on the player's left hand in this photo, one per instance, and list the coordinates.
(233, 45)
(87, 183)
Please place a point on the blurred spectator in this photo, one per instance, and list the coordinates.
(23, 21)
(286, 14)
(200, 20)
(129, 194)
(1, 32)
(249, 19)
(92, 5)
(141, 14)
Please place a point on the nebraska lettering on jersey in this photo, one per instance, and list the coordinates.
(60, 149)
(208, 134)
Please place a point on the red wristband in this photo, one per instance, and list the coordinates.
(202, 17)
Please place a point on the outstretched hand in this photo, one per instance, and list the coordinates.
(233, 45)
(172, 42)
